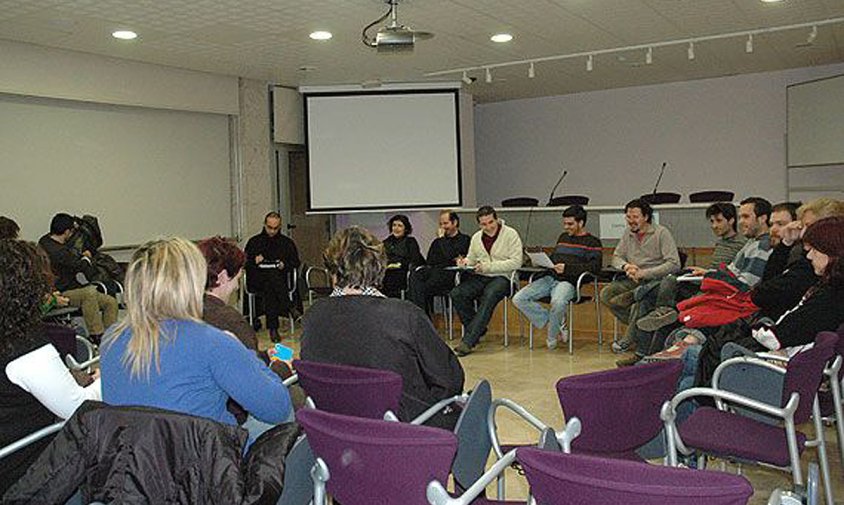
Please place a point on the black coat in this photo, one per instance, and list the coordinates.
(148, 455)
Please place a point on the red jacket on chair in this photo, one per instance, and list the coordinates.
(719, 304)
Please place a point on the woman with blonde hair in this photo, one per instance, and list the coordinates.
(162, 354)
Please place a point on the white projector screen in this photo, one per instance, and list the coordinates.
(383, 150)
(142, 172)
(816, 122)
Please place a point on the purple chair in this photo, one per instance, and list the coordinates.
(728, 434)
(831, 401)
(350, 390)
(576, 479)
(607, 403)
(366, 461)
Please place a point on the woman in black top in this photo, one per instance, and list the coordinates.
(358, 326)
(403, 255)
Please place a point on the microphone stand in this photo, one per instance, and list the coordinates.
(559, 181)
(658, 179)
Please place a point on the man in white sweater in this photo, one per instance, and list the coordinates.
(494, 253)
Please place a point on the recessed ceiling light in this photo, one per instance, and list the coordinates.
(320, 35)
(124, 35)
(501, 37)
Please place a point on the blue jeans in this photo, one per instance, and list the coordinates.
(488, 291)
(687, 381)
(561, 293)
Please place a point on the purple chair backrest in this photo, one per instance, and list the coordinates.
(372, 461)
(619, 408)
(577, 479)
(805, 373)
(350, 390)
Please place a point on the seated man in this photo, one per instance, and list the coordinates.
(646, 253)
(270, 258)
(743, 272)
(577, 251)
(445, 250)
(494, 253)
(98, 309)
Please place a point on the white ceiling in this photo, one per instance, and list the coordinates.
(268, 39)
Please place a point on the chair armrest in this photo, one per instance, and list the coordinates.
(586, 277)
(31, 438)
(435, 408)
(310, 270)
(517, 409)
(668, 413)
(293, 379)
(833, 369)
(72, 364)
(437, 494)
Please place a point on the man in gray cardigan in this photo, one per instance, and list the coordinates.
(646, 253)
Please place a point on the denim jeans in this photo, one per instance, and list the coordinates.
(561, 293)
(488, 290)
(687, 381)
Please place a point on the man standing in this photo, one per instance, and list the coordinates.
(646, 253)
(494, 253)
(577, 251)
(271, 258)
(444, 252)
(98, 309)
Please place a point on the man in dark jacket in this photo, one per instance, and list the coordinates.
(271, 259)
(577, 251)
(73, 271)
(444, 252)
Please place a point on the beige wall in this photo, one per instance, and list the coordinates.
(255, 152)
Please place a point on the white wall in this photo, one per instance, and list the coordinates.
(724, 133)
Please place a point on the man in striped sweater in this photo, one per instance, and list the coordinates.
(577, 251)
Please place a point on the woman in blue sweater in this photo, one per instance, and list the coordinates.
(162, 354)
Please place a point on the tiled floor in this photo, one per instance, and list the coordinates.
(528, 377)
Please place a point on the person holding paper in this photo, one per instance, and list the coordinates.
(577, 251)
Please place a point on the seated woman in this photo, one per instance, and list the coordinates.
(358, 326)
(36, 388)
(162, 354)
(403, 255)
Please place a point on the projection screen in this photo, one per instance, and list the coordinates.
(383, 150)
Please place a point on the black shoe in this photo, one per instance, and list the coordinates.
(629, 361)
(257, 325)
(274, 335)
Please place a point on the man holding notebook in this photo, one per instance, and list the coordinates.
(577, 251)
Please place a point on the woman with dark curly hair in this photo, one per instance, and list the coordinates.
(357, 325)
(36, 388)
(403, 255)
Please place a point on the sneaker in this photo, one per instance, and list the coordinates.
(564, 335)
(462, 349)
(620, 346)
(628, 361)
(660, 317)
(674, 352)
(552, 344)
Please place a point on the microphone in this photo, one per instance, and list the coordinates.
(559, 181)
(662, 171)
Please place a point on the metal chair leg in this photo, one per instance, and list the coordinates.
(570, 318)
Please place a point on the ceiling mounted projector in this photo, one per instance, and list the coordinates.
(393, 37)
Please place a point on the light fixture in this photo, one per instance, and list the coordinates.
(124, 35)
(531, 71)
(621, 53)
(320, 35)
(466, 79)
(589, 64)
(488, 76)
(501, 38)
